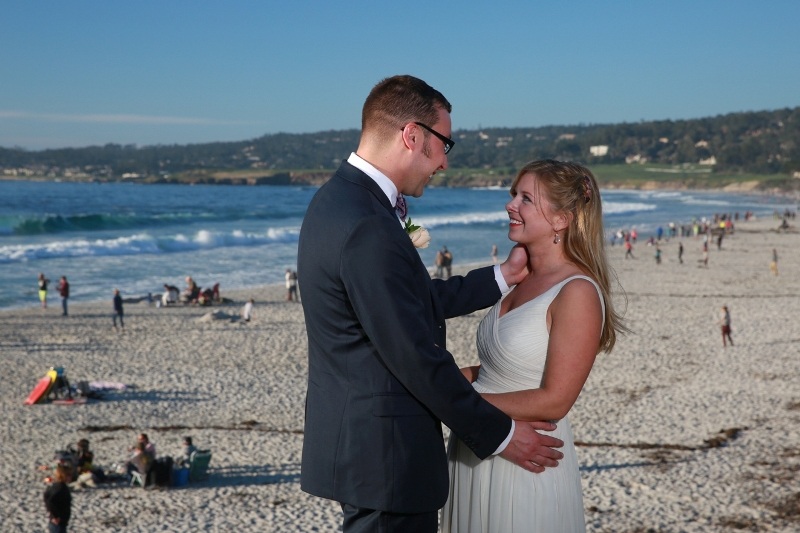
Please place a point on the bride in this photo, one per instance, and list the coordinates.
(537, 346)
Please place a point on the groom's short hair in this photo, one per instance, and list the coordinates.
(398, 100)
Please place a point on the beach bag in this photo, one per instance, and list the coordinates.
(162, 471)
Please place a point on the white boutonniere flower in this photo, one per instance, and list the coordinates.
(420, 237)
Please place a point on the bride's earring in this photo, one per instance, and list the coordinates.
(557, 239)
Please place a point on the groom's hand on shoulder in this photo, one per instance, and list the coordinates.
(531, 450)
(515, 268)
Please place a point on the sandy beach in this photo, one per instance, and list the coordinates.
(675, 432)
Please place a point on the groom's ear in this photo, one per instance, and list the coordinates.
(411, 134)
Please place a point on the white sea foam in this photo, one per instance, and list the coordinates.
(144, 243)
(609, 208)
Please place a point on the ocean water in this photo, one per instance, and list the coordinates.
(137, 237)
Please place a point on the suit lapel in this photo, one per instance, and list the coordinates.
(357, 177)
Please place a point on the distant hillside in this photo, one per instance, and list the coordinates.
(763, 145)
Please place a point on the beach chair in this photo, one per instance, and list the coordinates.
(143, 479)
(137, 478)
(198, 465)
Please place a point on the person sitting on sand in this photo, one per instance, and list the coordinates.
(83, 457)
(188, 449)
(205, 297)
(87, 474)
(170, 296)
(149, 447)
(191, 292)
(144, 453)
(140, 461)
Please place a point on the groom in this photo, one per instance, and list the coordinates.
(380, 380)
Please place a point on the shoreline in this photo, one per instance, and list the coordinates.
(242, 292)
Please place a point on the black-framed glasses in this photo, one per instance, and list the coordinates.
(448, 142)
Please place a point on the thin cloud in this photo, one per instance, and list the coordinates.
(117, 119)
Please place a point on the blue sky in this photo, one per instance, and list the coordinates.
(83, 73)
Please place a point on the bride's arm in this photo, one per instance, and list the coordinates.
(471, 372)
(575, 322)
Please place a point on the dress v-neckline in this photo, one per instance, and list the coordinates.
(562, 282)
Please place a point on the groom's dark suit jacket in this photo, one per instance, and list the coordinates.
(380, 380)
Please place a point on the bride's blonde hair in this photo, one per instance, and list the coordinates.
(572, 188)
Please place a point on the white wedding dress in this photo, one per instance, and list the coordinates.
(495, 495)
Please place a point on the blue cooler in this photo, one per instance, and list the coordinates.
(180, 477)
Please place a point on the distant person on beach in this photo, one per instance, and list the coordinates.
(725, 324)
(143, 455)
(63, 290)
(629, 250)
(658, 254)
(247, 310)
(118, 311)
(140, 461)
(171, 295)
(438, 262)
(705, 252)
(186, 452)
(291, 285)
(680, 252)
(494, 254)
(447, 262)
(149, 447)
(773, 266)
(42, 285)
(84, 457)
(58, 499)
(536, 348)
(380, 380)
(191, 293)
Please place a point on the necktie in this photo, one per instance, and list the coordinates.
(400, 207)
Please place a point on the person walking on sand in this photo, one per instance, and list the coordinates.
(680, 252)
(629, 249)
(118, 311)
(439, 264)
(247, 310)
(494, 254)
(380, 379)
(447, 262)
(773, 266)
(291, 285)
(63, 290)
(725, 323)
(42, 285)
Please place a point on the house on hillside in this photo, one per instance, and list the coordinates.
(599, 151)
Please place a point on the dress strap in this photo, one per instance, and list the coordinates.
(596, 287)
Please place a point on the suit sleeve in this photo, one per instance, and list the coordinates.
(394, 298)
